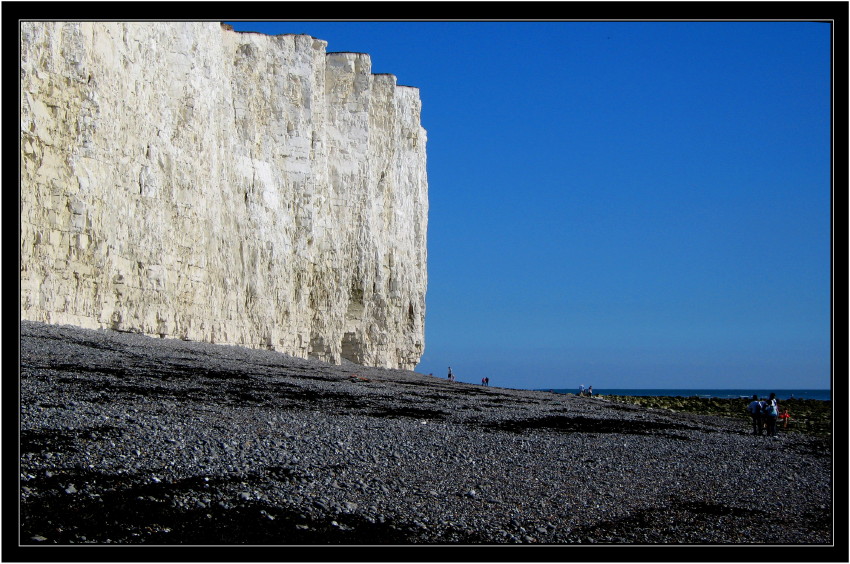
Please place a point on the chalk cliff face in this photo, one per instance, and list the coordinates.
(186, 180)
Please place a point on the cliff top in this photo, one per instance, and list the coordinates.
(352, 53)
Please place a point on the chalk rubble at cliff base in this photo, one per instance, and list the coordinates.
(133, 439)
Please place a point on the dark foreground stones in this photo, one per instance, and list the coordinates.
(127, 439)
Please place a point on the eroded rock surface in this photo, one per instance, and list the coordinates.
(184, 180)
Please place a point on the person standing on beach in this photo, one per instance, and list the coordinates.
(590, 391)
(581, 389)
(785, 415)
(754, 410)
(451, 376)
(771, 414)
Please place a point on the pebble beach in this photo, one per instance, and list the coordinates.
(130, 439)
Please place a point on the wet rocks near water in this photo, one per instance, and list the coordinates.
(810, 416)
(127, 439)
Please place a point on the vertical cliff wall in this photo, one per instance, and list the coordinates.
(186, 180)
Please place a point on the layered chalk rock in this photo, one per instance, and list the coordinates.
(189, 181)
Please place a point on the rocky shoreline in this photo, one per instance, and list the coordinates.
(128, 439)
(809, 416)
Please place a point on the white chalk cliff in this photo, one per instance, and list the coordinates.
(186, 180)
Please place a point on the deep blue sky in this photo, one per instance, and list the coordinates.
(619, 204)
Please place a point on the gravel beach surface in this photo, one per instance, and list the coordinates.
(129, 439)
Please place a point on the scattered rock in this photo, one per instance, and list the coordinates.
(548, 468)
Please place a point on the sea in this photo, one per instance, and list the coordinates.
(823, 395)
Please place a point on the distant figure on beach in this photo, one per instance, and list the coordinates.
(754, 409)
(451, 376)
(486, 380)
(589, 391)
(785, 415)
(771, 414)
(581, 390)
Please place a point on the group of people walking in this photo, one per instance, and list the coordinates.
(484, 381)
(765, 414)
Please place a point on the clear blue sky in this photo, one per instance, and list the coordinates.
(619, 204)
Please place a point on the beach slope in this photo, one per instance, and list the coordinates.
(128, 439)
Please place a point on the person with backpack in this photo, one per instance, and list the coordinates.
(754, 409)
(771, 414)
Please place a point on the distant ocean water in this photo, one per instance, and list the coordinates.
(824, 395)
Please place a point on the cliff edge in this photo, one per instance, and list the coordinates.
(185, 180)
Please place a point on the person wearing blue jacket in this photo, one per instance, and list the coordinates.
(754, 409)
